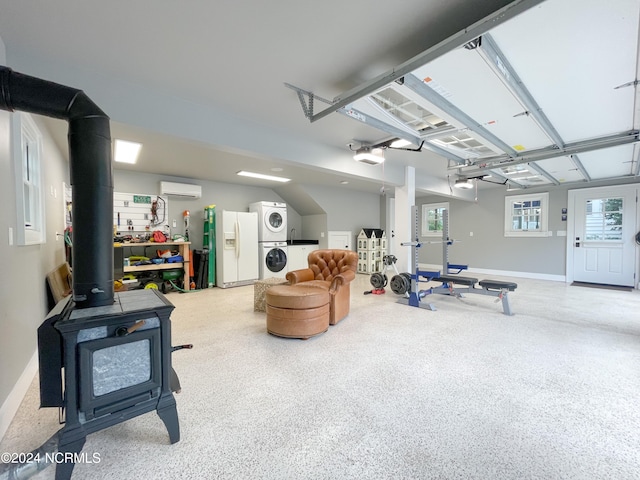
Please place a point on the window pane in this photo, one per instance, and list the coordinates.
(613, 205)
(27, 204)
(432, 223)
(526, 215)
(517, 223)
(434, 218)
(603, 219)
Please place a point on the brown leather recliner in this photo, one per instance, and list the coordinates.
(332, 270)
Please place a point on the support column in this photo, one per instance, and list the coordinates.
(405, 199)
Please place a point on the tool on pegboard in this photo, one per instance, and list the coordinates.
(187, 221)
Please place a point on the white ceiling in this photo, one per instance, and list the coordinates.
(201, 84)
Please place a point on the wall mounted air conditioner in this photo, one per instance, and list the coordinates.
(184, 190)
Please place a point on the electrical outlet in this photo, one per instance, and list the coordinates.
(471, 234)
(174, 224)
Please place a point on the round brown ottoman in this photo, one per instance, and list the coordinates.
(297, 311)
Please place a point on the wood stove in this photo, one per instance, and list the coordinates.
(117, 365)
(114, 349)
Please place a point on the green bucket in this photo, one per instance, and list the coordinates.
(172, 275)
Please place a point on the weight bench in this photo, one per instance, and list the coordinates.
(468, 281)
(492, 288)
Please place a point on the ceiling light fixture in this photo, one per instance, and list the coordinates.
(370, 156)
(463, 183)
(400, 143)
(126, 152)
(261, 176)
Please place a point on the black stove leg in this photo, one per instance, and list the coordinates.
(64, 468)
(169, 415)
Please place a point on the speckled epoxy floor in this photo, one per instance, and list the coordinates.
(390, 392)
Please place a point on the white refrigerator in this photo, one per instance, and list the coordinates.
(237, 249)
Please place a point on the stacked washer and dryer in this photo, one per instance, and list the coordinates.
(272, 238)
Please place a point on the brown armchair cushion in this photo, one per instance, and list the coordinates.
(331, 270)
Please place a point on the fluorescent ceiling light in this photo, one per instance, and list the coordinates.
(368, 155)
(261, 176)
(463, 183)
(126, 152)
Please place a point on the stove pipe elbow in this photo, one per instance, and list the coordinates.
(91, 174)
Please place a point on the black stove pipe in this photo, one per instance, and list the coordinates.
(91, 176)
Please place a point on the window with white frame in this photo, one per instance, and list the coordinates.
(27, 162)
(526, 215)
(432, 219)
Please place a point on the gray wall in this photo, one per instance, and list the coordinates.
(344, 210)
(224, 196)
(294, 221)
(347, 210)
(488, 248)
(314, 227)
(23, 296)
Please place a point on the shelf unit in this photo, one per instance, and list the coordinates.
(183, 250)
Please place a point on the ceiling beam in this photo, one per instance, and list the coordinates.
(494, 19)
(482, 165)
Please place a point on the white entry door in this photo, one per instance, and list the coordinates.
(340, 240)
(603, 240)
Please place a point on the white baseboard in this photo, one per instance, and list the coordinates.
(13, 401)
(503, 273)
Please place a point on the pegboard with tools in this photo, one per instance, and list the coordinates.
(139, 214)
